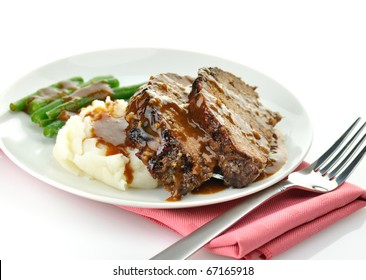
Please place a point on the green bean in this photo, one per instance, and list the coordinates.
(125, 92)
(52, 129)
(41, 114)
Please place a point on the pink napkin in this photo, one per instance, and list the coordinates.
(272, 228)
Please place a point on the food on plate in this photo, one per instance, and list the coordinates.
(187, 131)
(50, 107)
(173, 131)
(82, 148)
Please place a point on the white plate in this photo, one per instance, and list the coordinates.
(25, 145)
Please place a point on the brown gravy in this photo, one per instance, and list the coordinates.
(111, 133)
(51, 93)
(99, 90)
(211, 186)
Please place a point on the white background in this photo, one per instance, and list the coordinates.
(316, 49)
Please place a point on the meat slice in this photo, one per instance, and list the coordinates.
(174, 148)
(240, 126)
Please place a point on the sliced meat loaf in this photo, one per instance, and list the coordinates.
(240, 126)
(173, 147)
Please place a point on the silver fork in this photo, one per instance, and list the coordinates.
(321, 176)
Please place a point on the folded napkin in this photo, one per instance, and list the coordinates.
(272, 228)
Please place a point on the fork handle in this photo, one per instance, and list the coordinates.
(191, 243)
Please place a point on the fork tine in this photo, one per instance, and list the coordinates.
(334, 147)
(336, 170)
(344, 175)
(325, 169)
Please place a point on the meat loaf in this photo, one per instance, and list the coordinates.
(173, 147)
(240, 126)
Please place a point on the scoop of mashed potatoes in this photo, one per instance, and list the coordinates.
(80, 152)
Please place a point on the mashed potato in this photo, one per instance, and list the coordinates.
(80, 152)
